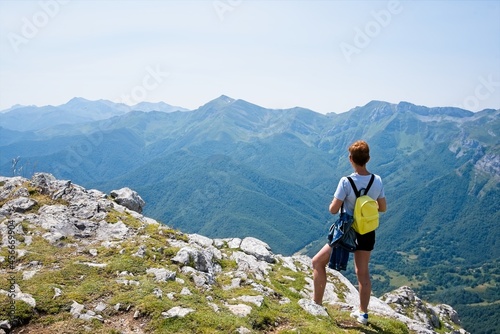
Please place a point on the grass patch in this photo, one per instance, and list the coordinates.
(42, 251)
(41, 199)
(115, 216)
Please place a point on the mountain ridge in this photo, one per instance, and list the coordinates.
(76, 111)
(440, 168)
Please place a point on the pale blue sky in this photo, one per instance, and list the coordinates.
(328, 56)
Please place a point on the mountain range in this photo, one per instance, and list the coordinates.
(77, 110)
(231, 168)
(78, 260)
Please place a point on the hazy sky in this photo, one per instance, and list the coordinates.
(328, 56)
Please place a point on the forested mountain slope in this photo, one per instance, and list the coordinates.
(232, 168)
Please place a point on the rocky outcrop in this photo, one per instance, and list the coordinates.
(91, 223)
(426, 317)
(129, 199)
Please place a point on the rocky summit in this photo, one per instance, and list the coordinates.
(81, 261)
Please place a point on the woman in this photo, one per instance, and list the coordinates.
(359, 155)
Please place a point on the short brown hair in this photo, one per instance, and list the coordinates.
(360, 152)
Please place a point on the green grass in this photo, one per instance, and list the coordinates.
(64, 266)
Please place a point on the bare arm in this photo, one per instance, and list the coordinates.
(335, 205)
(382, 204)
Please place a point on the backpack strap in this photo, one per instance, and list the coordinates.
(370, 184)
(358, 193)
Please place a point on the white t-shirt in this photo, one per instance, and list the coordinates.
(346, 194)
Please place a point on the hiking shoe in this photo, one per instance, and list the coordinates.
(361, 317)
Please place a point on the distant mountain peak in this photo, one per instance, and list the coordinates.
(77, 100)
(217, 103)
(225, 98)
(156, 106)
(15, 106)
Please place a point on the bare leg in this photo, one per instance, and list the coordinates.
(319, 262)
(361, 259)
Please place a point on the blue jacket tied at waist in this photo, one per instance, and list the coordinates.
(342, 239)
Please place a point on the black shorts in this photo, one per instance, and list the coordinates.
(365, 242)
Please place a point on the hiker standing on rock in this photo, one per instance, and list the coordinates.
(359, 155)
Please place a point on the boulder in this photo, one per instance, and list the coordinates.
(129, 199)
(257, 248)
(312, 308)
(19, 204)
(201, 260)
(42, 182)
(177, 312)
(162, 274)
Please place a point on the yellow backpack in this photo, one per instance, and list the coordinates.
(365, 209)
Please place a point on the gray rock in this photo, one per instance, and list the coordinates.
(214, 307)
(257, 248)
(76, 309)
(219, 243)
(201, 259)
(10, 184)
(312, 308)
(12, 225)
(177, 311)
(65, 190)
(447, 312)
(108, 231)
(243, 330)
(95, 265)
(84, 208)
(235, 283)
(249, 264)
(200, 240)
(129, 199)
(200, 280)
(91, 315)
(57, 220)
(28, 274)
(287, 262)
(140, 252)
(52, 237)
(158, 293)
(19, 295)
(5, 324)
(21, 192)
(417, 314)
(42, 182)
(161, 274)
(240, 310)
(256, 300)
(100, 307)
(19, 204)
(234, 243)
